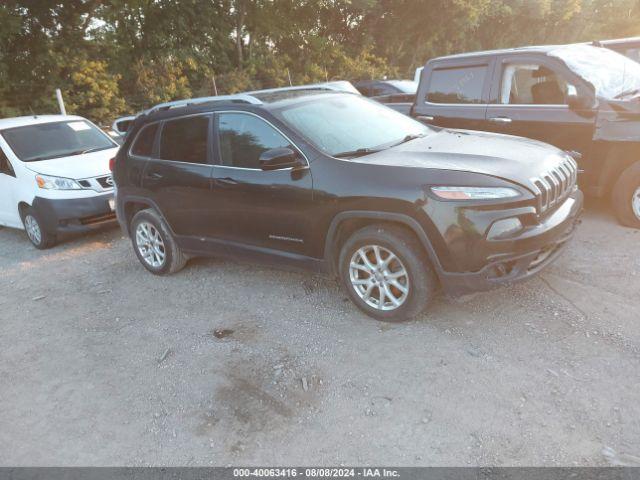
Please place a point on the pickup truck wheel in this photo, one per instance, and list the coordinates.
(385, 273)
(626, 196)
(154, 245)
(37, 234)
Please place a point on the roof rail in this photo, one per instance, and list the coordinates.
(337, 86)
(249, 97)
(239, 97)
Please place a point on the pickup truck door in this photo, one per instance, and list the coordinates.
(455, 93)
(529, 98)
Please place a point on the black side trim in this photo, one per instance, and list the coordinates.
(329, 252)
(250, 253)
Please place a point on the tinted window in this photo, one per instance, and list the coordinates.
(457, 85)
(44, 141)
(143, 145)
(244, 137)
(185, 139)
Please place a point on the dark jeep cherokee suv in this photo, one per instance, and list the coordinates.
(580, 98)
(336, 183)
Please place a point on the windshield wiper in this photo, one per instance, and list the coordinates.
(408, 138)
(360, 152)
(366, 151)
(631, 92)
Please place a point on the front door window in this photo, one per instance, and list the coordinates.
(533, 84)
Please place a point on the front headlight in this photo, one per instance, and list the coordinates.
(56, 183)
(475, 193)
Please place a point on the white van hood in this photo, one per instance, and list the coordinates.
(77, 167)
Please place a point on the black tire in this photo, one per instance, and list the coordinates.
(35, 230)
(422, 283)
(622, 197)
(174, 260)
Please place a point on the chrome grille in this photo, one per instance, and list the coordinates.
(556, 185)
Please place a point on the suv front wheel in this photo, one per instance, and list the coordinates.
(154, 245)
(384, 270)
(626, 196)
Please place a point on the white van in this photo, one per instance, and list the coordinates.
(54, 176)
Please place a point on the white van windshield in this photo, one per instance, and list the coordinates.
(45, 141)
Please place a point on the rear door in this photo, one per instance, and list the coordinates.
(454, 93)
(529, 98)
(178, 176)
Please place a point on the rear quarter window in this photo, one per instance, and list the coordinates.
(457, 85)
(143, 144)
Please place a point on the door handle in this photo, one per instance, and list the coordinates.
(154, 176)
(425, 118)
(500, 120)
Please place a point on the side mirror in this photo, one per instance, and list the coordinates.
(279, 158)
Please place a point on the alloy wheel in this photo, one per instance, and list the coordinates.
(379, 277)
(150, 244)
(33, 229)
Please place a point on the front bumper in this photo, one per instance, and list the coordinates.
(75, 215)
(523, 256)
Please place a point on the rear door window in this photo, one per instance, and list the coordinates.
(457, 85)
(143, 145)
(185, 139)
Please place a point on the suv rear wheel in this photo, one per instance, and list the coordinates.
(626, 196)
(154, 245)
(385, 272)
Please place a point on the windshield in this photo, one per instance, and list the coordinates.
(405, 86)
(45, 141)
(340, 124)
(613, 75)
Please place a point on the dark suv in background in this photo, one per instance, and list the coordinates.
(396, 94)
(580, 98)
(334, 182)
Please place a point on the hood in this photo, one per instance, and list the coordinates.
(76, 167)
(514, 159)
(618, 120)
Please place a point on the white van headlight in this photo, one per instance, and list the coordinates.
(56, 183)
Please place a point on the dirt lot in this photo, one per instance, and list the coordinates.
(102, 363)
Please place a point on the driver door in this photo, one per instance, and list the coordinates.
(267, 209)
(530, 99)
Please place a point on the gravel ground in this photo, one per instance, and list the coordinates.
(102, 363)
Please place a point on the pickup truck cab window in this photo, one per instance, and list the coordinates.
(244, 137)
(533, 84)
(457, 85)
(185, 139)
